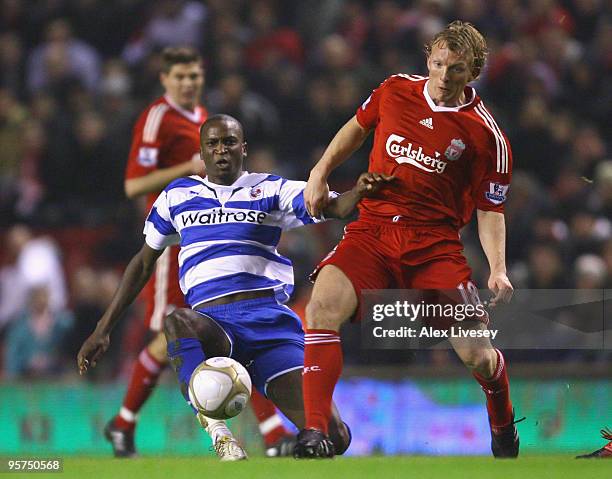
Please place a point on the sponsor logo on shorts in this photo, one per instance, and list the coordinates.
(413, 155)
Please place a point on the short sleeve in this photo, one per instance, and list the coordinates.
(146, 143)
(491, 183)
(368, 113)
(292, 206)
(159, 229)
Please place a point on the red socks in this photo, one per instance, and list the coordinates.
(270, 423)
(497, 390)
(322, 369)
(144, 378)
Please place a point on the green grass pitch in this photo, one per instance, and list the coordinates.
(527, 467)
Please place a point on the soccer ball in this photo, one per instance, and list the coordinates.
(219, 388)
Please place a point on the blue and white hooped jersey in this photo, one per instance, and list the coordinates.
(228, 234)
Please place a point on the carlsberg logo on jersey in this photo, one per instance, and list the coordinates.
(215, 217)
(414, 156)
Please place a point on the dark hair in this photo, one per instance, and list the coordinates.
(220, 118)
(172, 55)
(462, 38)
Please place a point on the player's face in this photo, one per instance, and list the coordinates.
(223, 150)
(183, 84)
(449, 72)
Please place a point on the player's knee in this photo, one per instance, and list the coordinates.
(177, 324)
(324, 314)
(477, 360)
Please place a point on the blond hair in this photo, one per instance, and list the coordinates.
(464, 39)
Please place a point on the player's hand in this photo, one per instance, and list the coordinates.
(93, 348)
(316, 195)
(371, 182)
(501, 287)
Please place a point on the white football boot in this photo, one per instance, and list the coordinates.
(228, 449)
(225, 445)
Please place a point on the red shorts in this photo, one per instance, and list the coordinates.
(162, 294)
(395, 255)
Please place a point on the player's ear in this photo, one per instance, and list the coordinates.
(474, 72)
(244, 149)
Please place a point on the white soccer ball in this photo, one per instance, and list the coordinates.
(219, 388)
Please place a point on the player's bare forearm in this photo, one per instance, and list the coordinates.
(492, 234)
(138, 271)
(348, 139)
(345, 204)
(157, 180)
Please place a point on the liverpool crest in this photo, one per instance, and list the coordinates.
(455, 149)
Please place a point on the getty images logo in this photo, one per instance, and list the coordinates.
(414, 156)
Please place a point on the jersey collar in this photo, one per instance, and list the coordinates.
(246, 179)
(194, 116)
(471, 93)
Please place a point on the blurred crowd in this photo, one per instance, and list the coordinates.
(75, 73)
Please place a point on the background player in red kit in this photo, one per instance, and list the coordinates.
(166, 146)
(449, 157)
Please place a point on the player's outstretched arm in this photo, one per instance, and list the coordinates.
(157, 180)
(344, 205)
(136, 275)
(348, 139)
(492, 234)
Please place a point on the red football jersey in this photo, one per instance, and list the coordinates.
(447, 160)
(165, 135)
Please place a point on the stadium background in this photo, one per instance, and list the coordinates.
(73, 76)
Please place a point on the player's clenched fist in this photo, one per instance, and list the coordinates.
(371, 182)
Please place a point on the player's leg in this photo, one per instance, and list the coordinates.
(487, 365)
(286, 392)
(438, 264)
(119, 431)
(360, 261)
(189, 334)
(603, 453)
(150, 363)
(277, 440)
(333, 302)
(489, 369)
(161, 291)
(147, 368)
